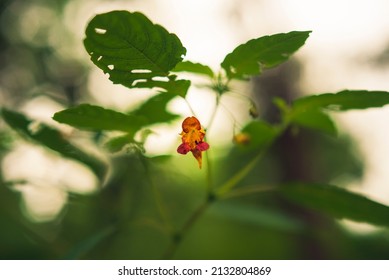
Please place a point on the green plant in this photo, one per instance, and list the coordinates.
(139, 54)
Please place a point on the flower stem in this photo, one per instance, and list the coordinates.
(190, 107)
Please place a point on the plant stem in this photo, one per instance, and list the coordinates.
(234, 180)
(212, 118)
(157, 196)
(182, 233)
(209, 174)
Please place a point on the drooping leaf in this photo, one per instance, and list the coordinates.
(154, 109)
(315, 119)
(134, 51)
(52, 139)
(91, 117)
(265, 52)
(343, 100)
(255, 135)
(338, 203)
(192, 67)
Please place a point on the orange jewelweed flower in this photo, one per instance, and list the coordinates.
(193, 139)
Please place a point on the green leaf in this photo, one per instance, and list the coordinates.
(87, 245)
(134, 51)
(256, 135)
(196, 68)
(154, 109)
(315, 119)
(52, 139)
(343, 100)
(116, 144)
(338, 203)
(265, 52)
(256, 216)
(91, 117)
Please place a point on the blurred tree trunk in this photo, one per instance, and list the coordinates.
(292, 153)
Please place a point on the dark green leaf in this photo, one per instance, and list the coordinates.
(154, 109)
(344, 100)
(134, 51)
(315, 119)
(256, 135)
(91, 117)
(256, 216)
(116, 144)
(52, 139)
(265, 52)
(90, 243)
(196, 68)
(173, 86)
(338, 203)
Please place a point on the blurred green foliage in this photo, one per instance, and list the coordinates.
(152, 207)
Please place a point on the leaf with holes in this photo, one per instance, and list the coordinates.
(52, 139)
(134, 51)
(265, 52)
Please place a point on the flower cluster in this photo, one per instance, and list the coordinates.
(193, 139)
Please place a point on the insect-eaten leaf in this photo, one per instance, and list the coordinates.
(134, 51)
(52, 139)
(262, 53)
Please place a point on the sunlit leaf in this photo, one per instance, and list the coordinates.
(154, 109)
(135, 52)
(256, 135)
(338, 203)
(316, 119)
(52, 139)
(196, 68)
(343, 100)
(265, 52)
(91, 117)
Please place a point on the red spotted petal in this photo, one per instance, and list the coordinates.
(184, 148)
(203, 146)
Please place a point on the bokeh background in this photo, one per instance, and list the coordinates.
(53, 207)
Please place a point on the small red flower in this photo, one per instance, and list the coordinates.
(193, 139)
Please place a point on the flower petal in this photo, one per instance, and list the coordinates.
(198, 156)
(191, 123)
(203, 146)
(183, 149)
